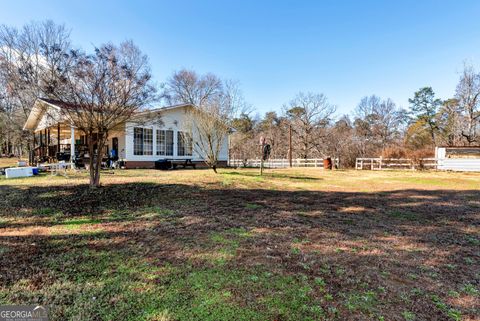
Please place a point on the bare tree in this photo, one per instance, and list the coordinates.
(215, 104)
(28, 57)
(101, 91)
(274, 129)
(187, 87)
(468, 97)
(8, 112)
(342, 142)
(450, 120)
(309, 114)
(380, 121)
(242, 140)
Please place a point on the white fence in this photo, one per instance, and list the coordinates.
(280, 162)
(449, 164)
(395, 163)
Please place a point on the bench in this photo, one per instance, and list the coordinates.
(182, 162)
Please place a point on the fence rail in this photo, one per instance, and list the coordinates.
(280, 162)
(396, 163)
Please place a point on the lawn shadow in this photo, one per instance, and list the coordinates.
(399, 240)
(273, 175)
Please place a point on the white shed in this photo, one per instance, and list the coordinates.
(465, 159)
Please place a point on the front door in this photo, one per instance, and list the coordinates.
(114, 152)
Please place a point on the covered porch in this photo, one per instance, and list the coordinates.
(56, 143)
(55, 139)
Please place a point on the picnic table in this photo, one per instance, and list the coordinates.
(182, 162)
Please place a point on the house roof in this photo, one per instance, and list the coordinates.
(41, 106)
(61, 104)
(159, 109)
(57, 103)
(38, 110)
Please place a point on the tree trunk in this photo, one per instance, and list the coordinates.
(96, 160)
(98, 165)
(91, 160)
(214, 167)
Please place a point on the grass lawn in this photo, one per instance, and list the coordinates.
(302, 244)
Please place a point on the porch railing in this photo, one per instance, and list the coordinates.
(51, 150)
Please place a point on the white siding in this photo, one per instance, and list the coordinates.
(440, 152)
(120, 134)
(456, 164)
(49, 118)
(459, 164)
(171, 119)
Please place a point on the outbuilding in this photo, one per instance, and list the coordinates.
(458, 158)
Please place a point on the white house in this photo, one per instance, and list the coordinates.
(161, 133)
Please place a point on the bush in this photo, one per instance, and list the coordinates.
(416, 156)
(395, 152)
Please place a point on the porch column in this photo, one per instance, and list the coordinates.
(45, 137)
(49, 141)
(58, 138)
(41, 144)
(72, 146)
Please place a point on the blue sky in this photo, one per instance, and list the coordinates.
(344, 49)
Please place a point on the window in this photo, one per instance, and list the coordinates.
(142, 141)
(165, 142)
(147, 141)
(184, 144)
(169, 135)
(138, 141)
(161, 142)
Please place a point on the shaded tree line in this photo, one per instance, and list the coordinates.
(376, 127)
(30, 57)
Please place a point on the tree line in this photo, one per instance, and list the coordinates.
(376, 127)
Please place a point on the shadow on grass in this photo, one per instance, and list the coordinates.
(363, 247)
(274, 175)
